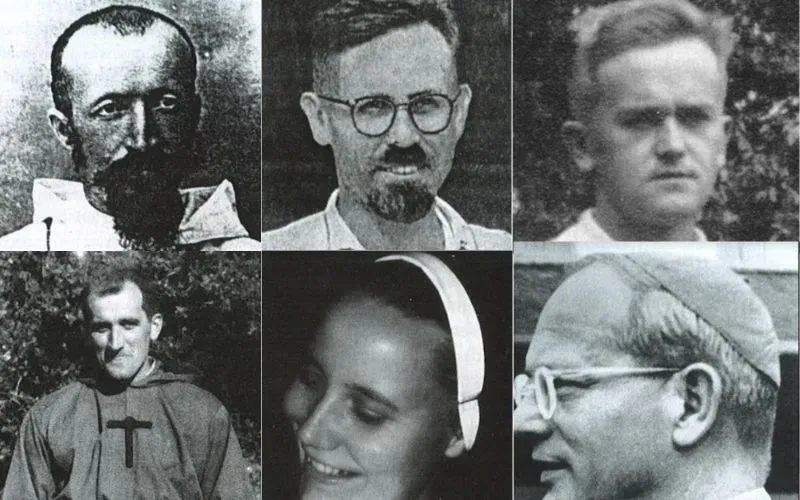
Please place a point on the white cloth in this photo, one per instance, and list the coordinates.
(587, 229)
(210, 219)
(327, 230)
(756, 494)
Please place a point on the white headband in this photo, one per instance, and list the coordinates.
(466, 333)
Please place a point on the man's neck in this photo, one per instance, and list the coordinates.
(622, 229)
(715, 474)
(377, 233)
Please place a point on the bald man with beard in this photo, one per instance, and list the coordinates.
(126, 107)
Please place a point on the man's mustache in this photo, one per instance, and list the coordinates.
(412, 155)
(150, 166)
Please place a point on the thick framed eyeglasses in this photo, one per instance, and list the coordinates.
(541, 388)
(373, 116)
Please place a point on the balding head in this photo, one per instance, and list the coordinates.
(118, 21)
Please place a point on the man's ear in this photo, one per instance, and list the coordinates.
(317, 118)
(61, 127)
(456, 446)
(574, 135)
(699, 391)
(461, 109)
(727, 127)
(156, 324)
(197, 109)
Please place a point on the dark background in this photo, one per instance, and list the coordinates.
(757, 195)
(212, 327)
(300, 286)
(534, 283)
(299, 175)
(229, 81)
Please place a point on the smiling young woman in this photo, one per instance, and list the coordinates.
(385, 400)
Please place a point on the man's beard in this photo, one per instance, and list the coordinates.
(142, 195)
(403, 201)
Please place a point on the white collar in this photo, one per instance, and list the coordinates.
(756, 494)
(457, 235)
(209, 212)
(587, 229)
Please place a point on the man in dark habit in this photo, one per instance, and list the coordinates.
(133, 430)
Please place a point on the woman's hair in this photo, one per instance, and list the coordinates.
(405, 287)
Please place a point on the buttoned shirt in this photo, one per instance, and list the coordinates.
(587, 229)
(63, 219)
(327, 230)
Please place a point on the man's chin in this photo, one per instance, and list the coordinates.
(404, 202)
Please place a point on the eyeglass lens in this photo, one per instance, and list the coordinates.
(545, 392)
(375, 115)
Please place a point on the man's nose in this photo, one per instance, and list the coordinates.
(670, 142)
(115, 339)
(528, 419)
(323, 425)
(141, 133)
(403, 133)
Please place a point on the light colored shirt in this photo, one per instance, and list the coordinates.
(587, 229)
(756, 494)
(327, 230)
(63, 219)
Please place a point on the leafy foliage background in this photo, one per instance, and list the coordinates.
(757, 192)
(212, 304)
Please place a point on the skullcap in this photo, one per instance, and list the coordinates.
(713, 292)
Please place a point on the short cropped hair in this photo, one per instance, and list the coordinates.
(663, 332)
(123, 20)
(350, 23)
(605, 32)
(109, 279)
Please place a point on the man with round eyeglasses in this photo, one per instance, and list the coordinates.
(650, 377)
(387, 99)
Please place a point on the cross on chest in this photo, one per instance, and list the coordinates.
(129, 424)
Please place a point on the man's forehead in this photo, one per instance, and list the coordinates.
(97, 45)
(408, 59)
(686, 69)
(128, 293)
(581, 318)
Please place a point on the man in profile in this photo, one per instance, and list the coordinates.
(126, 107)
(651, 377)
(387, 99)
(647, 95)
(133, 430)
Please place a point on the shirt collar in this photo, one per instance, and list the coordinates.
(209, 212)
(756, 494)
(457, 235)
(589, 226)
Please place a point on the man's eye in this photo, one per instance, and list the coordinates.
(109, 109)
(167, 102)
(374, 107)
(427, 104)
(644, 120)
(572, 383)
(692, 117)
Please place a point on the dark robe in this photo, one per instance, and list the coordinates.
(182, 448)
